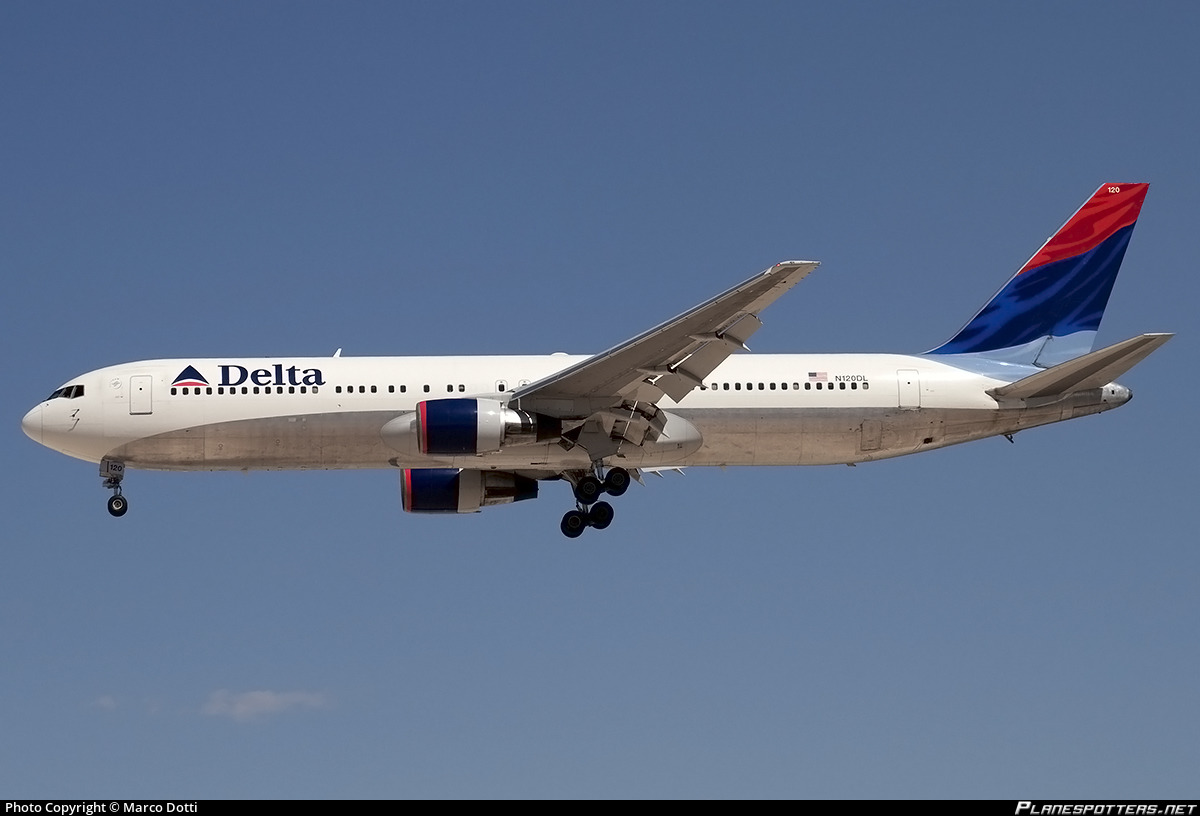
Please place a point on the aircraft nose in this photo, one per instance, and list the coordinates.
(32, 424)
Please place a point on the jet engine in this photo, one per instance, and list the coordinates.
(450, 490)
(462, 427)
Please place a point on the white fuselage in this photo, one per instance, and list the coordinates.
(327, 413)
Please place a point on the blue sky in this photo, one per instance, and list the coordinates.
(286, 179)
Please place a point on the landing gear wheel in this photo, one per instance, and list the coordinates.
(573, 524)
(601, 515)
(588, 490)
(616, 482)
(117, 506)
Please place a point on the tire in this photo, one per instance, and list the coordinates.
(616, 482)
(573, 524)
(118, 506)
(601, 515)
(588, 490)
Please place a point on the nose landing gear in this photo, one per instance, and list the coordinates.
(588, 511)
(117, 505)
(112, 473)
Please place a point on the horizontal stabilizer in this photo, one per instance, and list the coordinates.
(1093, 370)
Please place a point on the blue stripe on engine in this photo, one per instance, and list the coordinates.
(433, 490)
(451, 426)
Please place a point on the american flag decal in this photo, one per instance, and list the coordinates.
(818, 376)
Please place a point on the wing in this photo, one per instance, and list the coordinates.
(671, 359)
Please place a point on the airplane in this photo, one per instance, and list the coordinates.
(472, 432)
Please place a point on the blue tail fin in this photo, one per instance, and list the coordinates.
(1050, 310)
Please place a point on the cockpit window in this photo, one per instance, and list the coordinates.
(67, 392)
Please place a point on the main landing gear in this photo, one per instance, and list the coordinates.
(113, 473)
(588, 511)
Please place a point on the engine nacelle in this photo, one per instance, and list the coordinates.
(459, 427)
(450, 490)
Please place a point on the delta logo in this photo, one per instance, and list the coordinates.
(189, 376)
(232, 375)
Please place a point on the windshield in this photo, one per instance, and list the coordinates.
(67, 392)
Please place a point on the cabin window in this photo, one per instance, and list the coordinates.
(172, 393)
(374, 389)
(461, 388)
(449, 389)
(772, 386)
(391, 389)
(426, 389)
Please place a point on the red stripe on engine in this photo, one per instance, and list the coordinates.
(423, 435)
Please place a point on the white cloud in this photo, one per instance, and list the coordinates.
(250, 705)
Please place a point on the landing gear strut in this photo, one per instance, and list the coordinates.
(112, 473)
(588, 511)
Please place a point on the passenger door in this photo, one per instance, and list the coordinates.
(140, 400)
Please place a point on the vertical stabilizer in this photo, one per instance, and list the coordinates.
(1050, 310)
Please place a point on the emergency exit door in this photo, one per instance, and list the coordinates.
(909, 384)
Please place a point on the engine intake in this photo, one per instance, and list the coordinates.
(450, 490)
